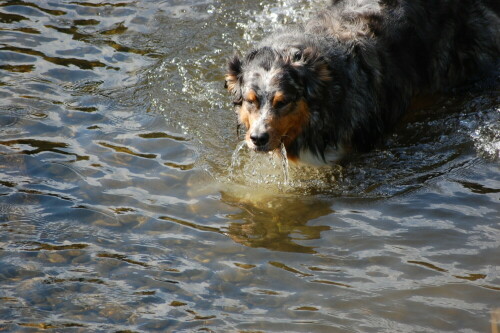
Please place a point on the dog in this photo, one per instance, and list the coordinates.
(339, 82)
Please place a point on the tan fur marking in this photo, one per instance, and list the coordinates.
(251, 97)
(244, 116)
(231, 81)
(286, 128)
(278, 97)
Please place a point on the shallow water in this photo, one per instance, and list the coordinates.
(121, 210)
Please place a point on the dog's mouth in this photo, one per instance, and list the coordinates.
(267, 148)
(261, 149)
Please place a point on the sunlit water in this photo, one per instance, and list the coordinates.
(123, 208)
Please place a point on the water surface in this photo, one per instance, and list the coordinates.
(120, 209)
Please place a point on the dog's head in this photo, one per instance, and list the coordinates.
(273, 90)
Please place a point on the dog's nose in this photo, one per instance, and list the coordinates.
(259, 139)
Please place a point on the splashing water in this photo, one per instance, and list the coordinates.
(235, 158)
(257, 165)
(284, 163)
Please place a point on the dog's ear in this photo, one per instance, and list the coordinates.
(233, 79)
(313, 70)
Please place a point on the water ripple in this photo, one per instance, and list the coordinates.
(121, 209)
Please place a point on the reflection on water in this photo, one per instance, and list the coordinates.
(122, 208)
(276, 222)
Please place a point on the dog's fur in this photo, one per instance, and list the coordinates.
(340, 81)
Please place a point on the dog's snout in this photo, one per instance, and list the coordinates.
(260, 138)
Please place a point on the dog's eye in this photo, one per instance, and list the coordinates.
(251, 98)
(280, 104)
(253, 103)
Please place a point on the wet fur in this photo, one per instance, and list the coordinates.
(349, 74)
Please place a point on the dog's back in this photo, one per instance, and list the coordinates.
(406, 48)
(437, 44)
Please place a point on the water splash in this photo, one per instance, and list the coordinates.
(235, 157)
(284, 164)
(271, 168)
(487, 134)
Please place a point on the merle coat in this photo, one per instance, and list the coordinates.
(340, 81)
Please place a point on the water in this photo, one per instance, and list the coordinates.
(284, 163)
(235, 158)
(121, 208)
(248, 166)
